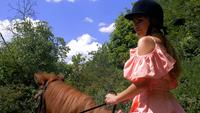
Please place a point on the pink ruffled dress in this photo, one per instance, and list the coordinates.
(154, 66)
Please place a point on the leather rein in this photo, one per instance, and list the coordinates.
(41, 105)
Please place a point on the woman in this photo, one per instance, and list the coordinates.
(153, 67)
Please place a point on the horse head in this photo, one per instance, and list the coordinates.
(60, 97)
(42, 77)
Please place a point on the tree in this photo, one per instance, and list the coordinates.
(23, 8)
(121, 40)
(182, 20)
(32, 48)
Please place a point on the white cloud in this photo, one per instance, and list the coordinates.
(71, 0)
(82, 45)
(106, 29)
(88, 19)
(34, 22)
(6, 26)
(102, 24)
(57, 1)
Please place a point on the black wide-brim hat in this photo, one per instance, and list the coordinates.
(148, 8)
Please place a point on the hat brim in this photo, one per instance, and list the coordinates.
(130, 16)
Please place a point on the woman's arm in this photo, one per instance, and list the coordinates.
(145, 46)
(127, 93)
(122, 96)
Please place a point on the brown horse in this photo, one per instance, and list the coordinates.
(62, 98)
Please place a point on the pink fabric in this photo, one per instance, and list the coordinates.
(154, 98)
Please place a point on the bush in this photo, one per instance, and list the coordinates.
(188, 92)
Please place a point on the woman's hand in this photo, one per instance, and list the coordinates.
(111, 99)
(122, 96)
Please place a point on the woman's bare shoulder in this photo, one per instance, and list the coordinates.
(146, 45)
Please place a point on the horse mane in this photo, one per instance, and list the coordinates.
(63, 98)
(42, 77)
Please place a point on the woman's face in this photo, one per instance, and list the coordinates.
(141, 24)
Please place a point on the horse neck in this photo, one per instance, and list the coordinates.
(91, 103)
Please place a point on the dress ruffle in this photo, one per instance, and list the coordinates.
(155, 64)
(155, 96)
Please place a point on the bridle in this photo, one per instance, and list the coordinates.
(39, 97)
(41, 105)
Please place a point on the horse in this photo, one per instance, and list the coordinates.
(60, 97)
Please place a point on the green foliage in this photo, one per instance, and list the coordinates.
(185, 36)
(121, 39)
(74, 78)
(33, 48)
(188, 92)
(16, 99)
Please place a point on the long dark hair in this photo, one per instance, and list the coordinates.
(160, 32)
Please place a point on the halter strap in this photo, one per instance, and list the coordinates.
(41, 107)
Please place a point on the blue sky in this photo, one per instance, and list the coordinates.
(75, 19)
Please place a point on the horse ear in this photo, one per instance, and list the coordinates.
(61, 77)
(39, 78)
(35, 79)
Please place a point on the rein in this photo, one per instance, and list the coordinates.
(41, 105)
(104, 104)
